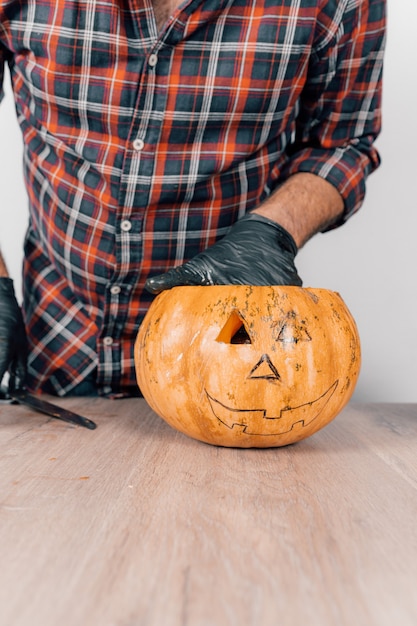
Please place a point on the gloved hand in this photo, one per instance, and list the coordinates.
(256, 251)
(13, 344)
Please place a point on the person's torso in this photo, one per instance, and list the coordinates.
(147, 134)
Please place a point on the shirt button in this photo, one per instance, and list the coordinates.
(107, 341)
(153, 60)
(115, 289)
(126, 225)
(138, 144)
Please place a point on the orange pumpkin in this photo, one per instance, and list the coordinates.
(247, 366)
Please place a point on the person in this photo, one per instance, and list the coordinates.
(169, 144)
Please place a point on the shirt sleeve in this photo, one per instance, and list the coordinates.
(340, 107)
(1, 73)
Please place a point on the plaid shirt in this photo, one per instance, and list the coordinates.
(141, 147)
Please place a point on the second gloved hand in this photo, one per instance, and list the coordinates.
(13, 344)
(256, 251)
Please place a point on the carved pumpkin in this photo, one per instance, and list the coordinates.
(247, 366)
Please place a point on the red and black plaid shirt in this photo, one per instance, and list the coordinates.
(141, 148)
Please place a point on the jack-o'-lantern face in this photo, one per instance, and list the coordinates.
(247, 366)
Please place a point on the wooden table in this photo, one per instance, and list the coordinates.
(134, 524)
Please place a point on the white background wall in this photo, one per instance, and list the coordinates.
(371, 261)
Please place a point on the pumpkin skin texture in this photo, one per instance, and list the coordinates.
(247, 366)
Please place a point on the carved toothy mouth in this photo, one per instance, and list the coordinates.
(257, 422)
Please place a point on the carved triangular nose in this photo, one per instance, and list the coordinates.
(265, 369)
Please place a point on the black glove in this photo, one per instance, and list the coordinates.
(13, 344)
(256, 251)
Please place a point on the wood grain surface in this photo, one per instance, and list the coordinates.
(134, 524)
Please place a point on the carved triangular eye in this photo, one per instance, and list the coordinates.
(293, 330)
(234, 331)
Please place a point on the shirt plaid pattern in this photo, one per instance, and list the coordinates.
(141, 147)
